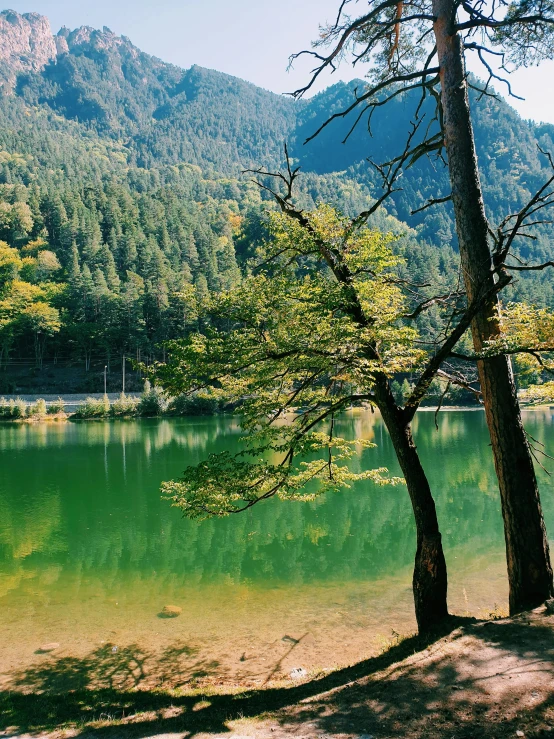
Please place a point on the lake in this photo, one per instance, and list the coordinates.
(90, 554)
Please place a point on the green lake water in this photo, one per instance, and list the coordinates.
(90, 554)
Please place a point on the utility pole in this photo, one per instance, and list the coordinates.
(105, 379)
(123, 366)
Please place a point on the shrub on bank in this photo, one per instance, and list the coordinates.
(58, 406)
(124, 406)
(38, 408)
(193, 405)
(538, 394)
(12, 409)
(94, 408)
(152, 402)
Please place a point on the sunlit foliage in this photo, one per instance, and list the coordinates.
(284, 345)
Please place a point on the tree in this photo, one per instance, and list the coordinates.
(15, 221)
(321, 326)
(42, 320)
(10, 264)
(85, 336)
(394, 37)
(25, 306)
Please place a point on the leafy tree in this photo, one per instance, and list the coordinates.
(10, 264)
(323, 326)
(393, 37)
(15, 221)
(42, 320)
(25, 306)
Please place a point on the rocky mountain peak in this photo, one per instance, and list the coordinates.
(28, 45)
(26, 41)
(87, 39)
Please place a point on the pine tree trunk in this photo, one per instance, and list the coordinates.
(430, 581)
(529, 568)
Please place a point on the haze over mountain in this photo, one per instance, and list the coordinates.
(129, 170)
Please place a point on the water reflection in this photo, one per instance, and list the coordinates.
(82, 527)
(86, 496)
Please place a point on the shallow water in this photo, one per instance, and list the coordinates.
(90, 554)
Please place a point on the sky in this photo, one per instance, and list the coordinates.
(251, 39)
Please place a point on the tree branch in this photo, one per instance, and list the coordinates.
(373, 91)
(422, 385)
(432, 301)
(430, 202)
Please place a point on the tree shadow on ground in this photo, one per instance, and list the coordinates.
(116, 668)
(489, 679)
(443, 691)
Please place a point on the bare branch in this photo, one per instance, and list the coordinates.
(345, 34)
(543, 198)
(529, 268)
(430, 202)
(489, 22)
(373, 91)
(492, 75)
(422, 385)
(432, 301)
(288, 179)
(460, 381)
(390, 172)
(439, 406)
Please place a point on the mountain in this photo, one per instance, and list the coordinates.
(122, 195)
(162, 113)
(26, 44)
(511, 164)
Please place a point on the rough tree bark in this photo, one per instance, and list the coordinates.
(430, 577)
(528, 558)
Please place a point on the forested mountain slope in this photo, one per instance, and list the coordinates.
(512, 166)
(160, 114)
(507, 147)
(122, 201)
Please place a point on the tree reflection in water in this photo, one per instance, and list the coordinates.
(84, 535)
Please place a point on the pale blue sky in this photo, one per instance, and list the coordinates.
(247, 38)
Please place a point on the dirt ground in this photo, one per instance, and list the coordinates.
(488, 679)
(491, 679)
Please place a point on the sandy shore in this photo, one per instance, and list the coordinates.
(487, 679)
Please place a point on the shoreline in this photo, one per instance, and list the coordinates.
(492, 678)
(73, 403)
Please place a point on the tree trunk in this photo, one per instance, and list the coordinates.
(39, 348)
(529, 568)
(430, 581)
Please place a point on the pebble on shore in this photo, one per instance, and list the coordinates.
(170, 612)
(46, 648)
